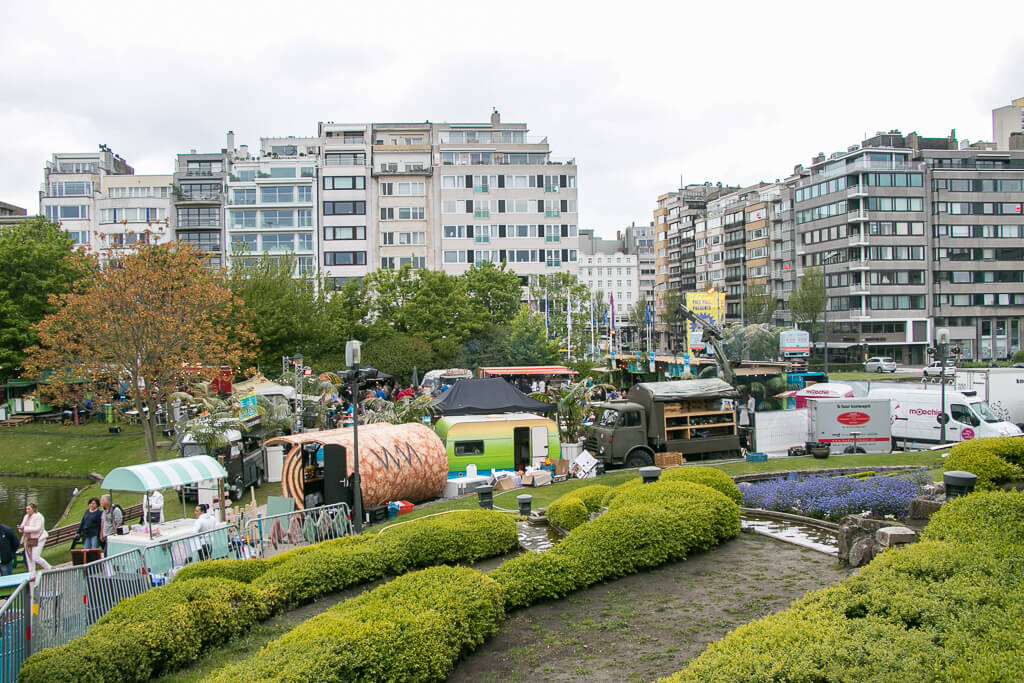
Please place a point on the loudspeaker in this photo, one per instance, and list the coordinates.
(336, 482)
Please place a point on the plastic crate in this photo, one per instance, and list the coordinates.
(757, 457)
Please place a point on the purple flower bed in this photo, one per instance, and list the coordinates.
(832, 498)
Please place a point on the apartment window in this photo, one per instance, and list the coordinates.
(304, 193)
(132, 215)
(279, 241)
(900, 228)
(282, 172)
(386, 189)
(895, 204)
(273, 219)
(244, 244)
(894, 179)
(337, 283)
(410, 189)
(344, 182)
(345, 232)
(344, 159)
(245, 174)
(411, 213)
(79, 237)
(202, 216)
(78, 167)
(387, 213)
(417, 262)
(71, 189)
(200, 168)
(205, 240)
(277, 193)
(305, 218)
(243, 219)
(453, 182)
(241, 196)
(412, 238)
(344, 208)
(344, 258)
(387, 262)
(196, 191)
(305, 265)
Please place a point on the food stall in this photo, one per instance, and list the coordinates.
(170, 544)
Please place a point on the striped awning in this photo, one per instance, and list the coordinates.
(164, 474)
(527, 370)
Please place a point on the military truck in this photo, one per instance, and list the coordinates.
(692, 417)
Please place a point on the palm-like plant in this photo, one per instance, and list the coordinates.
(572, 400)
(402, 412)
(216, 418)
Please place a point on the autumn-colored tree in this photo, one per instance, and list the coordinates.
(151, 320)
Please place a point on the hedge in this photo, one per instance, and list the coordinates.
(592, 496)
(660, 524)
(170, 626)
(949, 608)
(990, 459)
(411, 629)
(567, 512)
(709, 476)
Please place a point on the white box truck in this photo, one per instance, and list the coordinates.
(851, 425)
(916, 415)
(1001, 388)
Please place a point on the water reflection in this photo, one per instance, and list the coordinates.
(52, 495)
(537, 538)
(801, 534)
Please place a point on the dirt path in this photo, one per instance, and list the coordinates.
(649, 625)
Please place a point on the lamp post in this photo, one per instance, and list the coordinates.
(299, 369)
(353, 355)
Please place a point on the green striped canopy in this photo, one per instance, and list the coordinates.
(164, 474)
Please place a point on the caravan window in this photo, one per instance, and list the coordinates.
(469, 448)
(190, 449)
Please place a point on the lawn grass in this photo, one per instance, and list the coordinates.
(873, 376)
(74, 451)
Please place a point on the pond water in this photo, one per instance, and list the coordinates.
(537, 538)
(52, 496)
(804, 535)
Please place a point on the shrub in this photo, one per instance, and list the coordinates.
(157, 631)
(721, 514)
(413, 628)
(237, 570)
(592, 496)
(623, 489)
(832, 498)
(709, 476)
(532, 577)
(981, 458)
(461, 536)
(567, 512)
(947, 608)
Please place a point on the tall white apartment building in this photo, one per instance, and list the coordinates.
(272, 201)
(406, 196)
(345, 203)
(131, 210)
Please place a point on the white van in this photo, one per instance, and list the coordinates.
(916, 413)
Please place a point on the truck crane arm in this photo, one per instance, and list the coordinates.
(711, 336)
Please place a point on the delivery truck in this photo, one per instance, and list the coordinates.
(918, 415)
(1001, 388)
(851, 425)
(693, 417)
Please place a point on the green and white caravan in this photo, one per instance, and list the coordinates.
(497, 442)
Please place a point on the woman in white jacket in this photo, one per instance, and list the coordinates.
(33, 537)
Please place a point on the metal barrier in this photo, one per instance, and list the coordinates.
(270, 535)
(15, 632)
(171, 555)
(67, 601)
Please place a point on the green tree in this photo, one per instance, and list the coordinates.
(37, 259)
(672, 316)
(485, 348)
(496, 289)
(759, 303)
(398, 354)
(757, 341)
(638, 321)
(441, 311)
(390, 292)
(807, 303)
(526, 343)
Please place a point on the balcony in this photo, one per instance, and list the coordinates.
(858, 240)
(481, 189)
(551, 188)
(201, 172)
(863, 165)
(552, 213)
(856, 191)
(858, 265)
(857, 216)
(183, 197)
(425, 171)
(552, 238)
(482, 213)
(199, 223)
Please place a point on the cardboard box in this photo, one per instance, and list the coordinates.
(504, 484)
(561, 467)
(584, 467)
(668, 459)
(537, 478)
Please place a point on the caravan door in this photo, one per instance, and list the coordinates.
(538, 444)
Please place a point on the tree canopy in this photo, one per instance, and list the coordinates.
(807, 302)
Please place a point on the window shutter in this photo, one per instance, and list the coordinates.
(502, 254)
(540, 206)
(469, 181)
(501, 207)
(469, 231)
(565, 255)
(564, 205)
(502, 232)
(469, 206)
(565, 230)
(501, 181)
(563, 181)
(469, 256)
(540, 180)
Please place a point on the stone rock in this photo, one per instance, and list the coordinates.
(895, 535)
(861, 552)
(853, 529)
(923, 507)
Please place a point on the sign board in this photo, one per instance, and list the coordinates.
(650, 360)
(794, 343)
(840, 421)
(247, 407)
(711, 307)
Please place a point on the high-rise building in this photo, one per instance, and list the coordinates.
(131, 210)
(406, 195)
(1008, 125)
(346, 205)
(611, 270)
(198, 216)
(11, 214)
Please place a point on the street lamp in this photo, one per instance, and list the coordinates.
(825, 260)
(353, 355)
(299, 368)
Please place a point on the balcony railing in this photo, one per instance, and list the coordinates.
(551, 188)
(481, 213)
(203, 172)
(199, 223)
(857, 215)
(552, 238)
(405, 171)
(198, 196)
(552, 213)
(481, 189)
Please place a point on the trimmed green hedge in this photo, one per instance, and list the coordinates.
(989, 459)
(950, 608)
(411, 629)
(153, 633)
(170, 626)
(622, 489)
(661, 523)
(709, 476)
(567, 512)
(592, 496)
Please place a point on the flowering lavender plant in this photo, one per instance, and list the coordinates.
(832, 498)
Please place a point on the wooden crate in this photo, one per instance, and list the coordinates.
(668, 459)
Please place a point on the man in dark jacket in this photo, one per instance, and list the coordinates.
(8, 547)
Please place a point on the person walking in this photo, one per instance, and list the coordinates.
(89, 527)
(8, 549)
(33, 537)
(112, 518)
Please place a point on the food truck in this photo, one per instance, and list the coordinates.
(511, 441)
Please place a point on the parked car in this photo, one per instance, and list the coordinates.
(880, 364)
(934, 369)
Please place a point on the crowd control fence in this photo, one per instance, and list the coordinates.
(274, 534)
(15, 632)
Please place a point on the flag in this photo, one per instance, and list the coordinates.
(611, 302)
(647, 311)
(547, 316)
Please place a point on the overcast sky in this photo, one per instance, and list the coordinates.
(639, 93)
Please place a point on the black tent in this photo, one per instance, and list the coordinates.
(486, 397)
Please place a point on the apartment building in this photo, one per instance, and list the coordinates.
(132, 210)
(639, 240)
(346, 206)
(1008, 126)
(406, 195)
(611, 269)
(11, 214)
(199, 201)
(271, 201)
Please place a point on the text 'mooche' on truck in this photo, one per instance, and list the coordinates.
(685, 417)
(916, 415)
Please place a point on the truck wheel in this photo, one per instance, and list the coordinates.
(639, 458)
(259, 480)
(235, 495)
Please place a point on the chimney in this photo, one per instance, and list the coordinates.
(495, 117)
(231, 141)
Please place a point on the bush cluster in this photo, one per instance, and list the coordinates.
(995, 460)
(709, 476)
(411, 629)
(658, 523)
(832, 498)
(572, 509)
(210, 602)
(948, 608)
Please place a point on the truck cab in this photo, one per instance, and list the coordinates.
(619, 434)
(243, 458)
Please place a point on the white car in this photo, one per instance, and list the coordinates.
(934, 369)
(880, 364)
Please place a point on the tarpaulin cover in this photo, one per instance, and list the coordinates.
(486, 397)
(683, 390)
